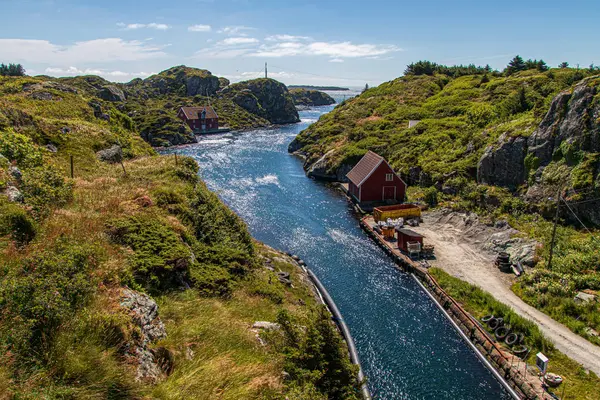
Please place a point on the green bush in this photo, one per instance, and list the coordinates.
(317, 356)
(431, 196)
(41, 292)
(161, 258)
(15, 221)
(44, 188)
(20, 148)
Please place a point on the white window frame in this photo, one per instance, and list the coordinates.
(389, 177)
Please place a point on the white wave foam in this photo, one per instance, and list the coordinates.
(268, 180)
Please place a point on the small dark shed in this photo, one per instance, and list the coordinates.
(406, 236)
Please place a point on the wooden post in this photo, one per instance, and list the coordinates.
(123, 166)
(71, 160)
(554, 230)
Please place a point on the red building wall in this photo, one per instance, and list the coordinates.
(196, 124)
(374, 188)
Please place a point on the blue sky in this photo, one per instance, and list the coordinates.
(310, 42)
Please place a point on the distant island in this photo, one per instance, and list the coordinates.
(309, 87)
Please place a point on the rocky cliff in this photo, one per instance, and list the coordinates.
(264, 97)
(304, 97)
(561, 153)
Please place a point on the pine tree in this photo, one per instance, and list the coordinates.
(542, 66)
(366, 87)
(563, 64)
(515, 65)
(12, 70)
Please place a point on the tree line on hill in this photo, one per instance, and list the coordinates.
(12, 70)
(515, 65)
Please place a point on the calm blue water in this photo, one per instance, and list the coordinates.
(407, 348)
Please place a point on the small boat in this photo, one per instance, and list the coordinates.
(553, 379)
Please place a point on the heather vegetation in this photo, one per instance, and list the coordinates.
(465, 112)
(71, 248)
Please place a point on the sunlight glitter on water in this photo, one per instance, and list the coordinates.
(407, 348)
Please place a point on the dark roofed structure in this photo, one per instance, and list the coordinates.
(199, 119)
(365, 166)
(196, 112)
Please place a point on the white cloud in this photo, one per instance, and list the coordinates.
(199, 28)
(116, 75)
(98, 50)
(258, 74)
(234, 41)
(331, 49)
(237, 30)
(153, 25)
(286, 38)
(277, 46)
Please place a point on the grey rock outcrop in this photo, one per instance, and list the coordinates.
(16, 173)
(111, 93)
(503, 165)
(114, 154)
(14, 194)
(199, 85)
(45, 96)
(144, 313)
(573, 117)
(321, 170)
(266, 98)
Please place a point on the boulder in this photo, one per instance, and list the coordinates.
(46, 96)
(111, 93)
(51, 148)
(503, 164)
(15, 172)
(113, 154)
(14, 194)
(266, 325)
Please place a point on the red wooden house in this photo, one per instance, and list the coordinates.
(199, 119)
(374, 180)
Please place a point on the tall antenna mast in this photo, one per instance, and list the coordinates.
(266, 70)
(208, 97)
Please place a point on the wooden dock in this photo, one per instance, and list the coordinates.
(510, 370)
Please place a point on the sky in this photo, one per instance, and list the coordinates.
(326, 42)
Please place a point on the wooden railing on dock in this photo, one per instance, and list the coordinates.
(477, 334)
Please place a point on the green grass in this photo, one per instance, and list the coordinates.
(66, 251)
(580, 385)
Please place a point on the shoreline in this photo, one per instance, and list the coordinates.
(337, 317)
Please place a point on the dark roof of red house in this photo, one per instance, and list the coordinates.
(194, 112)
(364, 168)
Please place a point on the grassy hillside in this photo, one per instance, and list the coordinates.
(152, 103)
(459, 118)
(466, 115)
(74, 250)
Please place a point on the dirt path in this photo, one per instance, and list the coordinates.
(463, 259)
